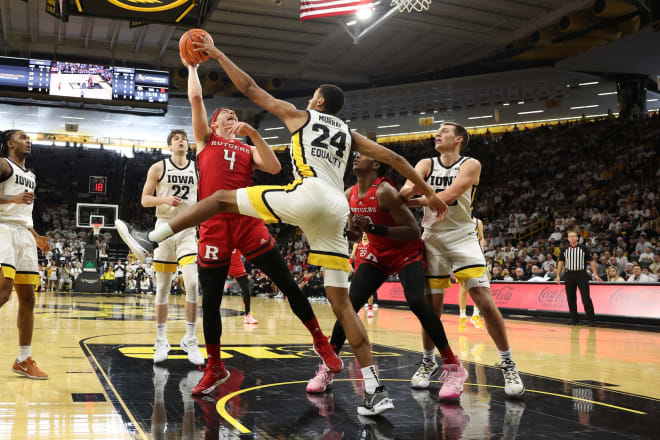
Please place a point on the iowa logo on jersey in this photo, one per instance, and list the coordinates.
(188, 180)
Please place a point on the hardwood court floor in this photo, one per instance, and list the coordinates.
(581, 382)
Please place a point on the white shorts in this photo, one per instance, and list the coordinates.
(320, 210)
(180, 249)
(452, 251)
(18, 254)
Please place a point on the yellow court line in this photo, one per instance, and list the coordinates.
(220, 407)
(114, 390)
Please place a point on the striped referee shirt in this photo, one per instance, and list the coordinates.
(575, 258)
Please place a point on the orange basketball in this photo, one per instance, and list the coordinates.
(187, 48)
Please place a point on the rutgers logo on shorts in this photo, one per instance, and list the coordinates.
(211, 252)
(371, 257)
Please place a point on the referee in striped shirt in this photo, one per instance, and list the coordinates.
(573, 258)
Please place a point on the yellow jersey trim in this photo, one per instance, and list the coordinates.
(469, 273)
(186, 260)
(304, 170)
(329, 261)
(257, 197)
(439, 283)
(8, 272)
(164, 267)
(26, 278)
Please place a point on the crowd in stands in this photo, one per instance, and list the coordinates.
(599, 178)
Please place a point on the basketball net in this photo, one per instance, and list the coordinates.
(411, 5)
(97, 228)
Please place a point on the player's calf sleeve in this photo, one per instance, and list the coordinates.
(366, 280)
(163, 286)
(412, 280)
(245, 289)
(273, 265)
(190, 281)
(212, 283)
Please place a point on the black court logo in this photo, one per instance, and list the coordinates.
(148, 5)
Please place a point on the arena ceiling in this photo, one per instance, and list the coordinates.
(269, 41)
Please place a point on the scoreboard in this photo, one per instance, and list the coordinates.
(38, 76)
(140, 85)
(72, 81)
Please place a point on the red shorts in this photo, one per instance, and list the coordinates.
(394, 260)
(236, 268)
(220, 235)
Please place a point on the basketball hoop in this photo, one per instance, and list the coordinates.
(411, 5)
(97, 228)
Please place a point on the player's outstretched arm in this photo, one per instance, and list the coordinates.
(263, 156)
(423, 168)
(287, 112)
(149, 200)
(399, 163)
(201, 129)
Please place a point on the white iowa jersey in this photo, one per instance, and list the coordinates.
(322, 148)
(178, 182)
(20, 180)
(459, 215)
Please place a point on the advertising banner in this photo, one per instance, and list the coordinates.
(629, 300)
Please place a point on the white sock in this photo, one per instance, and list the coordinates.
(429, 355)
(462, 314)
(475, 311)
(505, 355)
(161, 232)
(161, 330)
(24, 352)
(371, 381)
(159, 395)
(190, 329)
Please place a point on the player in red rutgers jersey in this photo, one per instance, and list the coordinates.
(395, 246)
(358, 255)
(224, 162)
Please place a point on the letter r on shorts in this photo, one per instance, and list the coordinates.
(211, 252)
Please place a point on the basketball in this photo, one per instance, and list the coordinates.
(187, 48)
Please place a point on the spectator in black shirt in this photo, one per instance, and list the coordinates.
(519, 274)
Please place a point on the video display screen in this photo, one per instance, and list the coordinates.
(82, 81)
(77, 80)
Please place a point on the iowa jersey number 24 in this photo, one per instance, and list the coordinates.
(338, 140)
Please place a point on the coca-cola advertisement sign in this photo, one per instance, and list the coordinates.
(630, 300)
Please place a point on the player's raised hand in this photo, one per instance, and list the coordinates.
(206, 45)
(173, 201)
(186, 63)
(43, 243)
(24, 198)
(438, 206)
(242, 129)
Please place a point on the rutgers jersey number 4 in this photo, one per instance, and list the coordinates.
(231, 159)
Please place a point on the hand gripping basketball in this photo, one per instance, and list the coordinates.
(191, 53)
